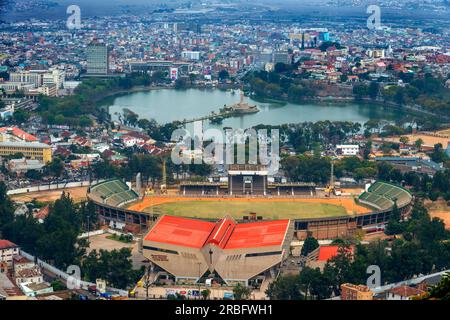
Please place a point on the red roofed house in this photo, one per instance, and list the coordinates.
(232, 252)
(17, 135)
(7, 251)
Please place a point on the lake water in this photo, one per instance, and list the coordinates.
(167, 105)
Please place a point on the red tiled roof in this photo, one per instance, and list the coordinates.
(406, 291)
(19, 133)
(5, 244)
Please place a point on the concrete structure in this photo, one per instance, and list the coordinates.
(348, 149)
(30, 150)
(225, 251)
(97, 58)
(21, 166)
(7, 251)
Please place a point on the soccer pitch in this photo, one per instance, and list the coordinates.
(238, 209)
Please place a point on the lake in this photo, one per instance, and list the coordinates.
(167, 105)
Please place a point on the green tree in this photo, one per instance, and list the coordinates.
(54, 168)
(205, 294)
(309, 246)
(285, 288)
(241, 292)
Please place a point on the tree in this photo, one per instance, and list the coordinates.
(241, 292)
(114, 266)
(284, 288)
(441, 291)
(309, 245)
(418, 144)
(54, 168)
(223, 75)
(404, 139)
(313, 284)
(205, 294)
(374, 89)
(6, 208)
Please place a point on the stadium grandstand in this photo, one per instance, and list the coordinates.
(383, 195)
(114, 192)
(224, 252)
(247, 180)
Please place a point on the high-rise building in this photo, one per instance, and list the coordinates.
(97, 58)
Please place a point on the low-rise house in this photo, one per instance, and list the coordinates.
(8, 250)
(34, 289)
(23, 165)
(355, 292)
(31, 275)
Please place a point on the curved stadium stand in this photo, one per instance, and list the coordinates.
(382, 196)
(113, 192)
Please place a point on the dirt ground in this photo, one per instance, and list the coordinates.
(428, 140)
(348, 203)
(439, 209)
(445, 132)
(78, 194)
(98, 242)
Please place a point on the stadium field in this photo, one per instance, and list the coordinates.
(277, 208)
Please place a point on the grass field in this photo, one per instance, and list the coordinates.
(238, 209)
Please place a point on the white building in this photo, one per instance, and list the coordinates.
(190, 55)
(348, 149)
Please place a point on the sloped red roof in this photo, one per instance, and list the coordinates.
(5, 244)
(226, 233)
(19, 133)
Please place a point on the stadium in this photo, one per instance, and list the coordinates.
(241, 230)
(250, 196)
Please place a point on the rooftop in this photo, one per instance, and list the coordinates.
(19, 133)
(226, 233)
(6, 244)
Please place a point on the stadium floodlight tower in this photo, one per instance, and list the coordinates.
(247, 179)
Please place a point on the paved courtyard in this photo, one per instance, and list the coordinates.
(98, 242)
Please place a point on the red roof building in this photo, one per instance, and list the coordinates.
(18, 133)
(190, 248)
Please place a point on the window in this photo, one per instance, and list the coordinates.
(160, 250)
(262, 254)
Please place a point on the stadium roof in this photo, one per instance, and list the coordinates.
(226, 233)
(181, 231)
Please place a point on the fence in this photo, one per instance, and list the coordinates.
(54, 186)
(66, 277)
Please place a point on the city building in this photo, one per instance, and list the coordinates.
(30, 150)
(347, 149)
(7, 251)
(20, 166)
(355, 292)
(403, 293)
(97, 58)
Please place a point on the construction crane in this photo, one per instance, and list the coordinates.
(330, 188)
